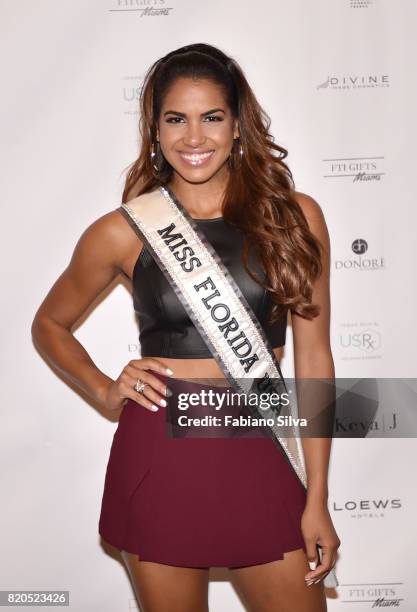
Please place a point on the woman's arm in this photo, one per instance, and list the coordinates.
(96, 261)
(312, 353)
(313, 360)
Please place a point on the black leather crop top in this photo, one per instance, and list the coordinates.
(165, 329)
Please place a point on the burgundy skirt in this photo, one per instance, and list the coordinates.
(196, 501)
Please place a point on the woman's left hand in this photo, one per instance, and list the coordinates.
(317, 528)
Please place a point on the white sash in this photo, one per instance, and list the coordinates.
(217, 307)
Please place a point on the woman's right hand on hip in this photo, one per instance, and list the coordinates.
(123, 388)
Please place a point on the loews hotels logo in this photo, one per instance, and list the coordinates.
(367, 508)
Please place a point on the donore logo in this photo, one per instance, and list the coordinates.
(359, 246)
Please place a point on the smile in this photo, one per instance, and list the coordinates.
(196, 159)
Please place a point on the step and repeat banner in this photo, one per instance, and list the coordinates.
(338, 79)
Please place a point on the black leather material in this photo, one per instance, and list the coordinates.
(165, 329)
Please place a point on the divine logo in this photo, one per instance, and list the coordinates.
(349, 81)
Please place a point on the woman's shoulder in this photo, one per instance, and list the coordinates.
(110, 238)
(110, 228)
(310, 207)
(314, 215)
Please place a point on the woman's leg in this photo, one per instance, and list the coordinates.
(167, 588)
(279, 586)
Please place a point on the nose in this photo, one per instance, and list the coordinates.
(194, 136)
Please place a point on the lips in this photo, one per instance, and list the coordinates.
(195, 159)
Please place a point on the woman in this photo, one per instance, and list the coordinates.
(176, 507)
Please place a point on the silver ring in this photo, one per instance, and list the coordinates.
(139, 387)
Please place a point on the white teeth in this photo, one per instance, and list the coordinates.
(196, 156)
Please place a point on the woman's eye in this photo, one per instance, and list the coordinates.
(211, 118)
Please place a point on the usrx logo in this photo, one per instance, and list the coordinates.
(360, 340)
(367, 340)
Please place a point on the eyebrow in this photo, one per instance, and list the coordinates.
(209, 112)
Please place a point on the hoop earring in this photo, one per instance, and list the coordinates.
(153, 156)
(233, 163)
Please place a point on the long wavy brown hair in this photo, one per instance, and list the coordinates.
(259, 197)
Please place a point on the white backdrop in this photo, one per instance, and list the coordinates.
(339, 82)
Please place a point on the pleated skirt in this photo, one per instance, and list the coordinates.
(195, 501)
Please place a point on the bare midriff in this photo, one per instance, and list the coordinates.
(201, 368)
